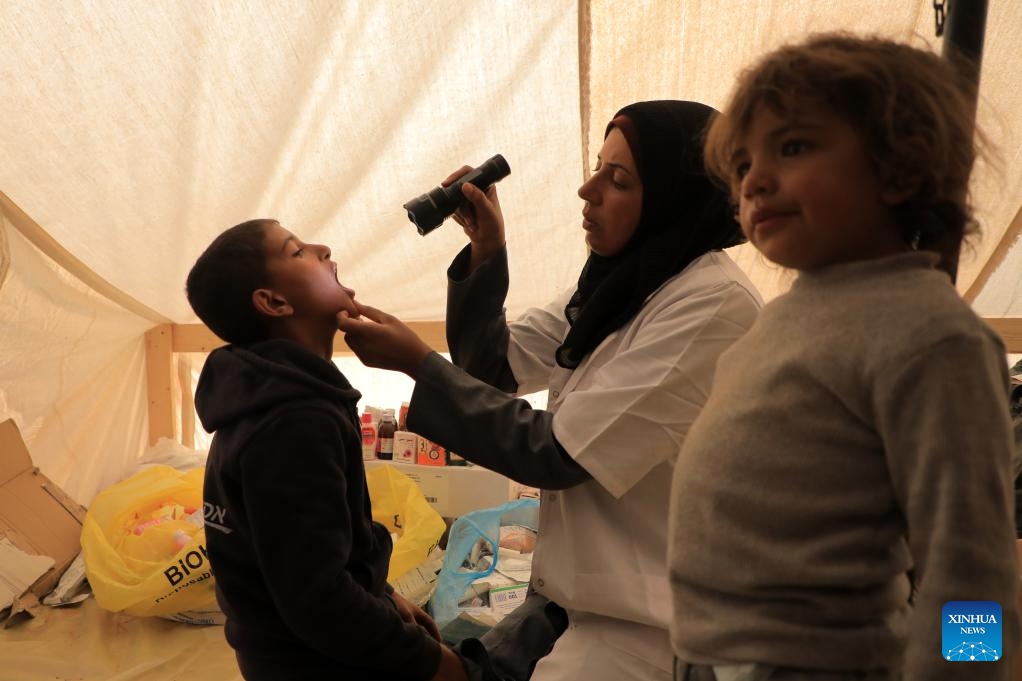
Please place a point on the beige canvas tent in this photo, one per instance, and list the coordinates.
(132, 133)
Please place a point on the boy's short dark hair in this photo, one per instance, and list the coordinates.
(913, 110)
(221, 282)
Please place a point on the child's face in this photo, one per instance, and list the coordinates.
(305, 277)
(613, 196)
(808, 194)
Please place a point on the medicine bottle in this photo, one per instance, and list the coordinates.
(369, 437)
(402, 417)
(388, 424)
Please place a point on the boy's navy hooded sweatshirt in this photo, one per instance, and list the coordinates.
(300, 566)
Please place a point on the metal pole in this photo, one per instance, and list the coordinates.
(964, 32)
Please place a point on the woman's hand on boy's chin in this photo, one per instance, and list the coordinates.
(382, 341)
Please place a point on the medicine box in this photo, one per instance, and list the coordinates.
(429, 453)
(405, 446)
(455, 490)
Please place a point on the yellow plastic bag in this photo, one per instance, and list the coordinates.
(144, 544)
(398, 504)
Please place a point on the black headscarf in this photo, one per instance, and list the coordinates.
(684, 215)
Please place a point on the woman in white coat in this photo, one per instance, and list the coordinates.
(627, 356)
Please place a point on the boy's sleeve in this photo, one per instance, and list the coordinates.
(944, 420)
(301, 525)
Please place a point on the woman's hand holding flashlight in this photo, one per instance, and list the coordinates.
(481, 218)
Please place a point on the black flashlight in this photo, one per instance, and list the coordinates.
(429, 211)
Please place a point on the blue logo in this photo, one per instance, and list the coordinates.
(972, 631)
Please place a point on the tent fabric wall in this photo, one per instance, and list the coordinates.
(142, 131)
(5, 257)
(704, 42)
(71, 371)
(134, 133)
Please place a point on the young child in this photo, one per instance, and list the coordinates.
(856, 440)
(300, 566)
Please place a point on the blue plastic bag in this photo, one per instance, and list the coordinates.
(466, 531)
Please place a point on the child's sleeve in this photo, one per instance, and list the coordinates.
(302, 528)
(943, 418)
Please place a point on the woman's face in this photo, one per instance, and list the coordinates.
(613, 196)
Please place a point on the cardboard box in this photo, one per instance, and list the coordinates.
(429, 453)
(36, 515)
(405, 446)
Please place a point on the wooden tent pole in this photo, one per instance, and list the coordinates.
(159, 362)
(163, 341)
(198, 338)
